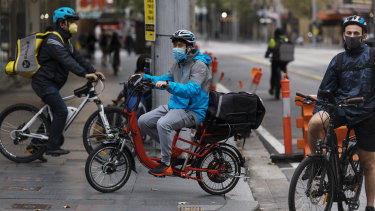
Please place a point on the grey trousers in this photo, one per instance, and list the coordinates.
(160, 125)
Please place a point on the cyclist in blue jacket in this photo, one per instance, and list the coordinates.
(356, 78)
(188, 82)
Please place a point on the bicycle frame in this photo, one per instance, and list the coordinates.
(91, 96)
(150, 162)
(333, 157)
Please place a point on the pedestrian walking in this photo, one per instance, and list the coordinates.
(276, 64)
(115, 47)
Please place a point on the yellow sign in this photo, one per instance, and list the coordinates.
(150, 19)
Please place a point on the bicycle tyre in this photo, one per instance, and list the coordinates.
(352, 180)
(214, 184)
(93, 131)
(21, 149)
(105, 167)
(298, 178)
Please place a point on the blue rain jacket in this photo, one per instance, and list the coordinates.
(189, 84)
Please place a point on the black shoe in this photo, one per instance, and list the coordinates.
(368, 208)
(161, 170)
(270, 91)
(42, 159)
(57, 152)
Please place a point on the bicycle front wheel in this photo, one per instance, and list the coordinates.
(107, 168)
(311, 188)
(228, 165)
(94, 133)
(17, 145)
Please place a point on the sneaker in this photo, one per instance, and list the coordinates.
(369, 208)
(57, 152)
(42, 159)
(161, 170)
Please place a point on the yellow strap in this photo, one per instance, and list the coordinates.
(55, 32)
(272, 43)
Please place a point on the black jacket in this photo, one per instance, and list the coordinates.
(352, 83)
(56, 59)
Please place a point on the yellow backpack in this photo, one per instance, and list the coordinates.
(26, 63)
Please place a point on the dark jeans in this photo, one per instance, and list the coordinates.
(59, 115)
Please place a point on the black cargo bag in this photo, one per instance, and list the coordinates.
(234, 108)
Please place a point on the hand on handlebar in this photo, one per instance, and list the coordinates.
(162, 84)
(95, 76)
(101, 75)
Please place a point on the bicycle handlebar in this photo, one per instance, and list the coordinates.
(341, 103)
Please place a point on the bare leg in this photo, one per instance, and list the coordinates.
(368, 164)
(315, 128)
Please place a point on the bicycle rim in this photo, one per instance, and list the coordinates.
(15, 146)
(227, 164)
(107, 169)
(304, 193)
(94, 133)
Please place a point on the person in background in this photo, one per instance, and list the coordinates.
(115, 47)
(276, 65)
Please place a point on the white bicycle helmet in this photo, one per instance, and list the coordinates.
(185, 36)
(357, 20)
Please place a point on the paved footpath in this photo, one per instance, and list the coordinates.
(60, 184)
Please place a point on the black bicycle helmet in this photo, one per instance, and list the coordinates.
(185, 36)
(279, 32)
(357, 20)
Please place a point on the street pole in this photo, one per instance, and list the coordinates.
(171, 15)
(314, 22)
(278, 11)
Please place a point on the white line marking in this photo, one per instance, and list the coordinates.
(279, 147)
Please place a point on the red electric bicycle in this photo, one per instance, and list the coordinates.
(212, 162)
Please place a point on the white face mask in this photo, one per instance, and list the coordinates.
(73, 28)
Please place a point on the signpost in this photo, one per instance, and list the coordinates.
(150, 19)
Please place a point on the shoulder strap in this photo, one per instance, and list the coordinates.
(56, 33)
(338, 65)
(372, 55)
(44, 35)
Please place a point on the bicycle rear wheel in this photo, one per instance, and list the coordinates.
(94, 133)
(352, 181)
(304, 193)
(107, 169)
(228, 165)
(13, 144)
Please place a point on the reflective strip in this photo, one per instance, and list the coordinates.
(54, 42)
(219, 106)
(286, 107)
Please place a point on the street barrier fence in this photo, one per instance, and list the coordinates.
(256, 74)
(303, 122)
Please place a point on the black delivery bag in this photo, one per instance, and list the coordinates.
(235, 108)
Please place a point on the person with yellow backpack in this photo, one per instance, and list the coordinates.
(56, 57)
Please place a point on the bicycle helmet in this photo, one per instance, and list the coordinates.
(185, 36)
(64, 13)
(279, 32)
(357, 20)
